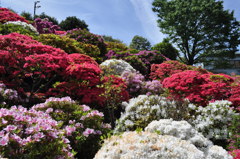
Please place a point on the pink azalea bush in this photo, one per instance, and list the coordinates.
(31, 134)
(81, 125)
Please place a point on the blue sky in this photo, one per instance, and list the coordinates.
(121, 19)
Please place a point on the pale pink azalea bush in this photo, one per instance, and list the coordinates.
(31, 134)
(80, 124)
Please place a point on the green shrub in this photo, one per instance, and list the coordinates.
(11, 28)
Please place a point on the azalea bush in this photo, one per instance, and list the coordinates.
(180, 129)
(9, 97)
(81, 125)
(136, 84)
(214, 120)
(235, 154)
(86, 37)
(234, 131)
(7, 15)
(116, 67)
(140, 60)
(197, 87)
(170, 67)
(142, 110)
(18, 27)
(39, 71)
(45, 27)
(146, 145)
(31, 134)
(65, 43)
(115, 46)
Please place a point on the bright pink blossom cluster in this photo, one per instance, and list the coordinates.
(7, 15)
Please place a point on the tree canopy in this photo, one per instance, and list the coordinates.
(166, 49)
(111, 39)
(199, 28)
(27, 15)
(140, 43)
(73, 22)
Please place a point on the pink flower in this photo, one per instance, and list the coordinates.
(10, 128)
(85, 108)
(70, 130)
(88, 131)
(4, 140)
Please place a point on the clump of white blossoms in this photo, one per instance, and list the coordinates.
(213, 120)
(147, 145)
(180, 129)
(140, 111)
(116, 67)
(23, 24)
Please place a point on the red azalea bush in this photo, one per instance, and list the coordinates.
(199, 88)
(235, 154)
(93, 95)
(168, 68)
(7, 15)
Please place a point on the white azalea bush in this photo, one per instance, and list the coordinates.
(213, 120)
(142, 110)
(147, 145)
(24, 25)
(116, 67)
(180, 129)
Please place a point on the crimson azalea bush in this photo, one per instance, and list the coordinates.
(81, 125)
(31, 134)
(36, 70)
(199, 88)
(7, 15)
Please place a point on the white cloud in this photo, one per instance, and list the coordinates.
(143, 10)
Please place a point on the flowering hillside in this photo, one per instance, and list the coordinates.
(73, 95)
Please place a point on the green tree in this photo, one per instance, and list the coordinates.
(199, 28)
(140, 43)
(111, 39)
(50, 18)
(73, 22)
(27, 15)
(166, 48)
